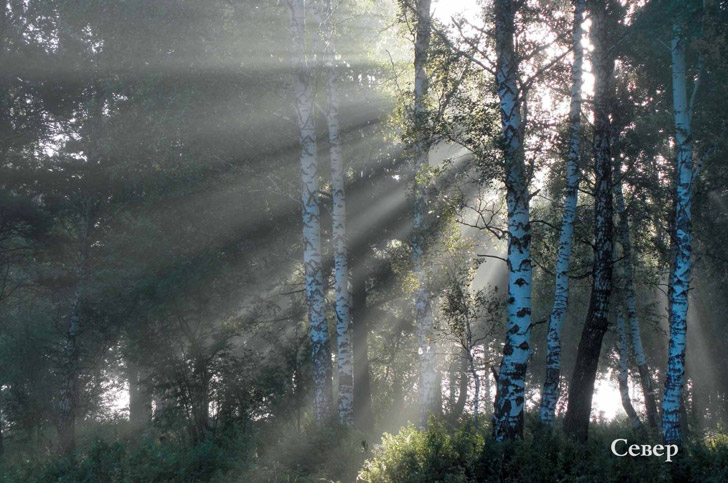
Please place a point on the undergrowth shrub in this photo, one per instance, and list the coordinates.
(468, 454)
(145, 460)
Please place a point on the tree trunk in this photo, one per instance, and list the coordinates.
(2, 441)
(679, 283)
(200, 401)
(452, 383)
(68, 400)
(318, 327)
(508, 414)
(341, 276)
(581, 390)
(140, 402)
(550, 393)
(476, 379)
(624, 373)
(360, 332)
(428, 383)
(459, 405)
(487, 397)
(639, 352)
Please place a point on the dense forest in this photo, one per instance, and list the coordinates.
(376, 241)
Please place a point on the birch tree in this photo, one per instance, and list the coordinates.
(679, 282)
(508, 411)
(581, 389)
(550, 392)
(324, 14)
(624, 373)
(68, 397)
(304, 102)
(428, 383)
(81, 204)
(629, 297)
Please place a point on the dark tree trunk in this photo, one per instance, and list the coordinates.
(201, 402)
(68, 399)
(2, 443)
(360, 332)
(581, 389)
(140, 401)
(684, 422)
(459, 405)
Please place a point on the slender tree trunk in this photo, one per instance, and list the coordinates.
(476, 379)
(679, 283)
(459, 405)
(318, 327)
(140, 403)
(550, 393)
(581, 390)
(487, 396)
(360, 332)
(68, 400)
(508, 414)
(324, 15)
(684, 424)
(452, 378)
(200, 400)
(428, 384)
(624, 373)
(69, 394)
(639, 352)
(2, 440)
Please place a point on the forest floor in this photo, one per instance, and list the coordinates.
(445, 452)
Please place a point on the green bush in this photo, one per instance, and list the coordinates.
(147, 460)
(468, 454)
(264, 454)
(442, 453)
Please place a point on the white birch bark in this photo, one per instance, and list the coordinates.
(680, 276)
(508, 414)
(550, 393)
(624, 373)
(318, 327)
(428, 383)
(628, 273)
(324, 14)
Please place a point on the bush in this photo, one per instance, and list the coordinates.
(262, 454)
(468, 454)
(148, 460)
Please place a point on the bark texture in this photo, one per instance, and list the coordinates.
(581, 390)
(508, 413)
(634, 328)
(550, 393)
(341, 272)
(318, 328)
(679, 282)
(429, 387)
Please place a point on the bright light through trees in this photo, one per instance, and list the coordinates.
(362, 240)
